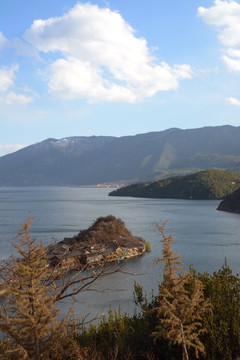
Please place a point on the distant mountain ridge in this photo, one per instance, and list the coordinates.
(93, 160)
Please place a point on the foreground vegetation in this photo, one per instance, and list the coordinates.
(131, 336)
(193, 315)
(206, 184)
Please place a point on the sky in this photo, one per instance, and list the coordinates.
(116, 67)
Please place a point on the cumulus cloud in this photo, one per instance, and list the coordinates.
(225, 16)
(100, 58)
(7, 149)
(7, 76)
(11, 98)
(233, 64)
(232, 101)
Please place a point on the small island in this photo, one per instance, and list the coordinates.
(211, 184)
(107, 240)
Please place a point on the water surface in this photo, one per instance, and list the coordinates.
(203, 235)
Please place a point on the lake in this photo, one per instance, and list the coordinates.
(203, 235)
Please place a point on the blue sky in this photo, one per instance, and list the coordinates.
(116, 67)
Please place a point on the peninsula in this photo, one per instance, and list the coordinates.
(231, 203)
(204, 185)
(107, 240)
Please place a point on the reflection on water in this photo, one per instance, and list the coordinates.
(201, 234)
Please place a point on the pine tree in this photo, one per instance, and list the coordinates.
(179, 309)
(28, 312)
(28, 315)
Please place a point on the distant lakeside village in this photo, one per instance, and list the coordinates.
(104, 185)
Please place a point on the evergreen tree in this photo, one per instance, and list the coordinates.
(28, 311)
(28, 315)
(179, 309)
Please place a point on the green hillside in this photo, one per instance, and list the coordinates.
(206, 184)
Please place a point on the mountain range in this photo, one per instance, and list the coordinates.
(79, 160)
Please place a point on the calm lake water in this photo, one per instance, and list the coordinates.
(203, 235)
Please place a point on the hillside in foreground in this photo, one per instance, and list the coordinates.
(206, 184)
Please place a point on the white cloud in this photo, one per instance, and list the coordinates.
(225, 16)
(100, 58)
(233, 64)
(7, 75)
(232, 101)
(12, 99)
(7, 149)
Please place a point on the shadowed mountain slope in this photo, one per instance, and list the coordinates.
(98, 159)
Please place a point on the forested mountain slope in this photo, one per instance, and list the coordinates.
(206, 184)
